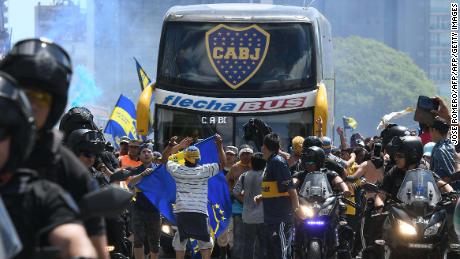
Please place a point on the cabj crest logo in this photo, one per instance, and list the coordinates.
(236, 54)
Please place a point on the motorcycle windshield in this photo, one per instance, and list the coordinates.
(316, 185)
(419, 186)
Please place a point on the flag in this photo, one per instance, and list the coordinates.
(160, 188)
(122, 122)
(391, 116)
(144, 79)
(349, 123)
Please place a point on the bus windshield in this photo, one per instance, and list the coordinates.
(199, 125)
(185, 63)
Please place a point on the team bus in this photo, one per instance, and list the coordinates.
(220, 65)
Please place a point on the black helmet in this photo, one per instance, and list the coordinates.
(43, 65)
(85, 140)
(314, 155)
(311, 141)
(410, 146)
(76, 118)
(391, 131)
(18, 121)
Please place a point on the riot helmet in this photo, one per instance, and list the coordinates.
(39, 64)
(311, 141)
(86, 141)
(391, 131)
(410, 147)
(313, 155)
(76, 118)
(16, 122)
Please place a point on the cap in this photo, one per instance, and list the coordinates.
(192, 154)
(231, 149)
(428, 148)
(124, 140)
(157, 155)
(327, 145)
(245, 150)
(135, 143)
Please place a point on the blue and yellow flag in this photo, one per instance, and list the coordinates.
(144, 79)
(122, 122)
(160, 189)
(349, 123)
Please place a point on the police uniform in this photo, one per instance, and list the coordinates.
(36, 207)
(58, 164)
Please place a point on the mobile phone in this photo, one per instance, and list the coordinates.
(423, 112)
(377, 149)
(426, 103)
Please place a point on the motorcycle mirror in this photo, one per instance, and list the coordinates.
(370, 187)
(105, 202)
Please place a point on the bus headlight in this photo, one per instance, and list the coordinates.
(406, 228)
(433, 230)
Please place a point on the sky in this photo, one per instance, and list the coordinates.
(21, 17)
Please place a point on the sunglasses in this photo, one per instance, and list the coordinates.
(32, 47)
(40, 98)
(4, 133)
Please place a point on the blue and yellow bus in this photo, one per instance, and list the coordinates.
(220, 65)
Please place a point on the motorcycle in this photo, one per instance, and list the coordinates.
(416, 221)
(319, 233)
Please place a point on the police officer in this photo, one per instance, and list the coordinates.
(391, 131)
(42, 213)
(43, 69)
(88, 146)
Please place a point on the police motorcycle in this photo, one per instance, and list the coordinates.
(323, 210)
(416, 221)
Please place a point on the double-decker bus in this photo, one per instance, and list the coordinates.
(220, 65)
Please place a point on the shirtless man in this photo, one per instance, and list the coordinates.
(232, 177)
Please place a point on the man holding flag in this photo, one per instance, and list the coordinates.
(192, 194)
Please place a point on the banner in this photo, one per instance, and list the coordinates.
(144, 79)
(160, 189)
(394, 115)
(349, 123)
(122, 122)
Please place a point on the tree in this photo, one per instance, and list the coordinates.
(373, 79)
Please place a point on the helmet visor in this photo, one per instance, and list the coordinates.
(32, 47)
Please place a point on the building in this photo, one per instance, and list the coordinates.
(64, 23)
(439, 65)
(418, 28)
(5, 35)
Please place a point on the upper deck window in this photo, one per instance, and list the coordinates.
(187, 64)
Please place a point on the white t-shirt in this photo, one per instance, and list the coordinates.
(192, 186)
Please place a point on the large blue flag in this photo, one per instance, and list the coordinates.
(122, 122)
(160, 189)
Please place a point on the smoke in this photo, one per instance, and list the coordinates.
(83, 90)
